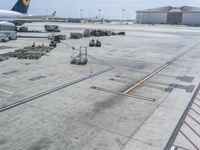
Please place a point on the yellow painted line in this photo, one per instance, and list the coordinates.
(164, 75)
(132, 87)
(128, 95)
(149, 82)
(149, 85)
(129, 78)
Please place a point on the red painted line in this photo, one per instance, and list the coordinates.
(194, 119)
(195, 111)
(196, 104)
(181, 147)
(189, 140)
(181, 121)
(192, 129)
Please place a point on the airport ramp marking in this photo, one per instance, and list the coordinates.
(127, 95)
(148, 85)
(187, 79)
(63, 86)
(42, 94)
(155, 72)
(151, 82)
(142, 81)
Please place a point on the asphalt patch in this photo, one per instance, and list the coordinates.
(188, 89)
(186, 79)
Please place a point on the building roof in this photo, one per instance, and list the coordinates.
(172, 9)
(159, 9)
(175, 10)
(190, 9)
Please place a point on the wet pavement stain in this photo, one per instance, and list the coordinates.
(100, 107)
(41, 144)
(3, 141)
(107, 104)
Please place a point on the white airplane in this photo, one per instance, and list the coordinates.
(18, 14)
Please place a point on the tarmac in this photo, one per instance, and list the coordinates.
(49, 104)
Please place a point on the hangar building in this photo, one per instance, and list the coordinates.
(185, 15)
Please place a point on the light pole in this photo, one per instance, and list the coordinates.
(123, 10)
(140, 20)
(81, 14)
(99, 14)
(46, 12)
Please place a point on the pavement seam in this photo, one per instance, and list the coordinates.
(88, 124)
(144, 142)
(160, 104)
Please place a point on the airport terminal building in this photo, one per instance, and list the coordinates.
(185, 15)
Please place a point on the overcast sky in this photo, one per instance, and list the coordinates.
(110, 8)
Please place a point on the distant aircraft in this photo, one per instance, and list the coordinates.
(95, 19)
(18, 14)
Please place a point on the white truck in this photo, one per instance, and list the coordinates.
(12, 35)
(3, 38)
(52, 28)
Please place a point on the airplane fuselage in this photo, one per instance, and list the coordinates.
(18, 14)
(8, 14)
